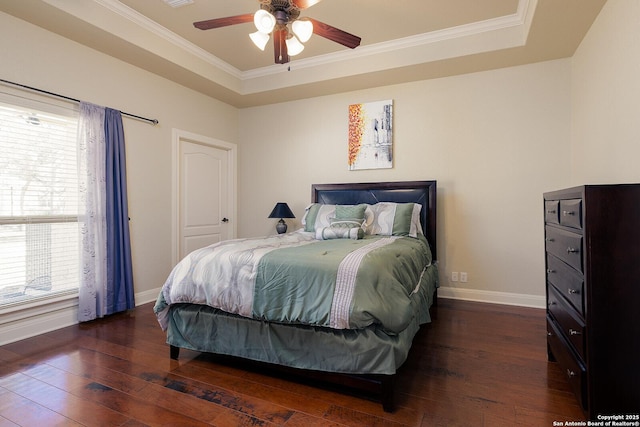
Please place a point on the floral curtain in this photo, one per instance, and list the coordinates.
(106, 283)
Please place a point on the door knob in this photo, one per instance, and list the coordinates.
(225, 219)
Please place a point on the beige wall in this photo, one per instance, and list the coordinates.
(41, 59)
(494, 141)
(606, 98)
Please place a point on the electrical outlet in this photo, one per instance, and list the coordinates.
(463, 276)
(454, 276)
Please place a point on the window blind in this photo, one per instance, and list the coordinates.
(39, 232)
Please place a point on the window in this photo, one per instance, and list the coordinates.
(39, 231)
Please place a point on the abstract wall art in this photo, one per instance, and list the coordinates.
(371, 135)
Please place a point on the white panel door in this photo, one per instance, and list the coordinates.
(203, 187)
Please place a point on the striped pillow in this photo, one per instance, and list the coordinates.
(395, 219)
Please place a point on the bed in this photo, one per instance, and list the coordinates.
(355, 329)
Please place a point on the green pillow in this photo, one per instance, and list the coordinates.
(402, 219)
(351, 211)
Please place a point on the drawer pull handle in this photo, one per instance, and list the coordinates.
(565, 213)
(574, 332)
(549, 239)
(550, 271)
(570, 373)
(551, 211)
(573, 291)
(571, 250)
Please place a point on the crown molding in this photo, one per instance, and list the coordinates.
(211, 74)
(153, 27)
(519, 20)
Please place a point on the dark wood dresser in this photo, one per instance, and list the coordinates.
(592, 243)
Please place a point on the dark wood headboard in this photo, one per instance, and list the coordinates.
(422, 192)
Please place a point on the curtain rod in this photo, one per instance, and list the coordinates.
(152, 121)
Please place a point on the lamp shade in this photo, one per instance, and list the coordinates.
(294, 46)
(303, 28)
(264, 21)
(259, 39)
(281, 210)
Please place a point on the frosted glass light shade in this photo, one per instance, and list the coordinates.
(260, 39)
(303, 29)
(264, 21)
(294, 46)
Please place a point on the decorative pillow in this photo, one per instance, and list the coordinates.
(415, 220)
(318, 216)
(395, 219)
(347, 223)
(351, 211)
(341, 229)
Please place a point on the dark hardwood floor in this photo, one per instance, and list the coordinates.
(475, 365)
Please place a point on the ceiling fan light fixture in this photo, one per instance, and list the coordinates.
(303, 29)
(260, 39)
(264, 21)
(282, 19)
(294, 46)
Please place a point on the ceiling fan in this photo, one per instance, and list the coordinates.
(274, 17)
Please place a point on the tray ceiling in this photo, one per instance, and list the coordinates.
(405, 40)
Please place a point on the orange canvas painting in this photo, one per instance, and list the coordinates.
(371, 135)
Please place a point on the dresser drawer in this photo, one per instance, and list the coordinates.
(565, 245)
(552, 211)
(568, 281)
(570, 366)
(571, 213)
(568, 322)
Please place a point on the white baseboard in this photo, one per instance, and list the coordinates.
(492, 297)
(147, 296)
(18, 325)
(32, 321)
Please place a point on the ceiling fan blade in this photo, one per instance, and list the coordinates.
(280, 51)
(334, 34)
(303, 4)
(223, 22)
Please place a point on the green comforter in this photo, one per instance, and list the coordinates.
(295, 279)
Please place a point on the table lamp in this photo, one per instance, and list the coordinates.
(281, 210)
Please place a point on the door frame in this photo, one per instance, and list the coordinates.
(231, 149)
